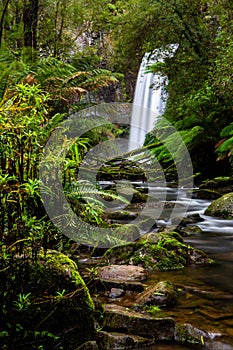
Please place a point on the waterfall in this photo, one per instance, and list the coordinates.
(149, 98)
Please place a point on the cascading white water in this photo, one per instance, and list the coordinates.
(149, 98)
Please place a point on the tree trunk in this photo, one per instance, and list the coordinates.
(2, 19)
(30, 19)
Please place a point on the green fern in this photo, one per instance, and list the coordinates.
(224, 148)
(227, 131)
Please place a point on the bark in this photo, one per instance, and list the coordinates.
(30, 19)
(5, 6)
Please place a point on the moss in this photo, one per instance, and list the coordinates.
(218, 182)
(143, 260)
(64, 266)
(121, 253)
(162, 252)
(169, 264)
(120, 215)
(187, 334)
(222, 207)
(177, 236)
(60, 309)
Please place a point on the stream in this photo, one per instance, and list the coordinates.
(209, 305)
(207, 298)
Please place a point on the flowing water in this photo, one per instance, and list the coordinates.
(149, 98)
(208, 303)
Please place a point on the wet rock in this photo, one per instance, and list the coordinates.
(116, 293)
(147, 224)
(188, 230)
(130, 193)
(118, 341)
(208, 294)
(121, 277)
(205, 193)
(188, 220)
(126, 273)
(171, 231)
(186, 333)
(157, 252)
(222, 207)
(103, 285)
(121, 215)
(117, 318)
(221, 184)
(162, 294)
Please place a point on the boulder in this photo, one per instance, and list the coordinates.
(157, 251)
(188, 334)
(187, 220)
(120, 341)
(163, 294)
(125, 273)
(53, 306)
(189, 230)
(221, 207)
(119, 277)
(120, 319)
(221, 185)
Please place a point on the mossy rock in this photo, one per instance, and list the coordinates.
(163, 294)
(205, 193)
(121, 215)
(117, 318)
(127, 233)
(221, 184)
(221, 207)
(58, 311)
(188, 230)
(133, 195)
(188, 334)
(120, 341)
(164, 252)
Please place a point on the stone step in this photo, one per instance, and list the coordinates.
(118, 341)
(120, 319)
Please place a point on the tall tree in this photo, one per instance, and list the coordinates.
(30, 20)
(4, 10)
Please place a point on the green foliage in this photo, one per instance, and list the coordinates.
(170, 151)
(49, 316)
(27, 120)
(224, 147)
(152, 309)
(23, 113)
(23, 301)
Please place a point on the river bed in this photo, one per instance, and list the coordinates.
(207, 301)
(208, 305)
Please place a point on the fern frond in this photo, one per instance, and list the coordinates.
(87, 191)
(77, 75)
(226, 147)
(227, 131)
